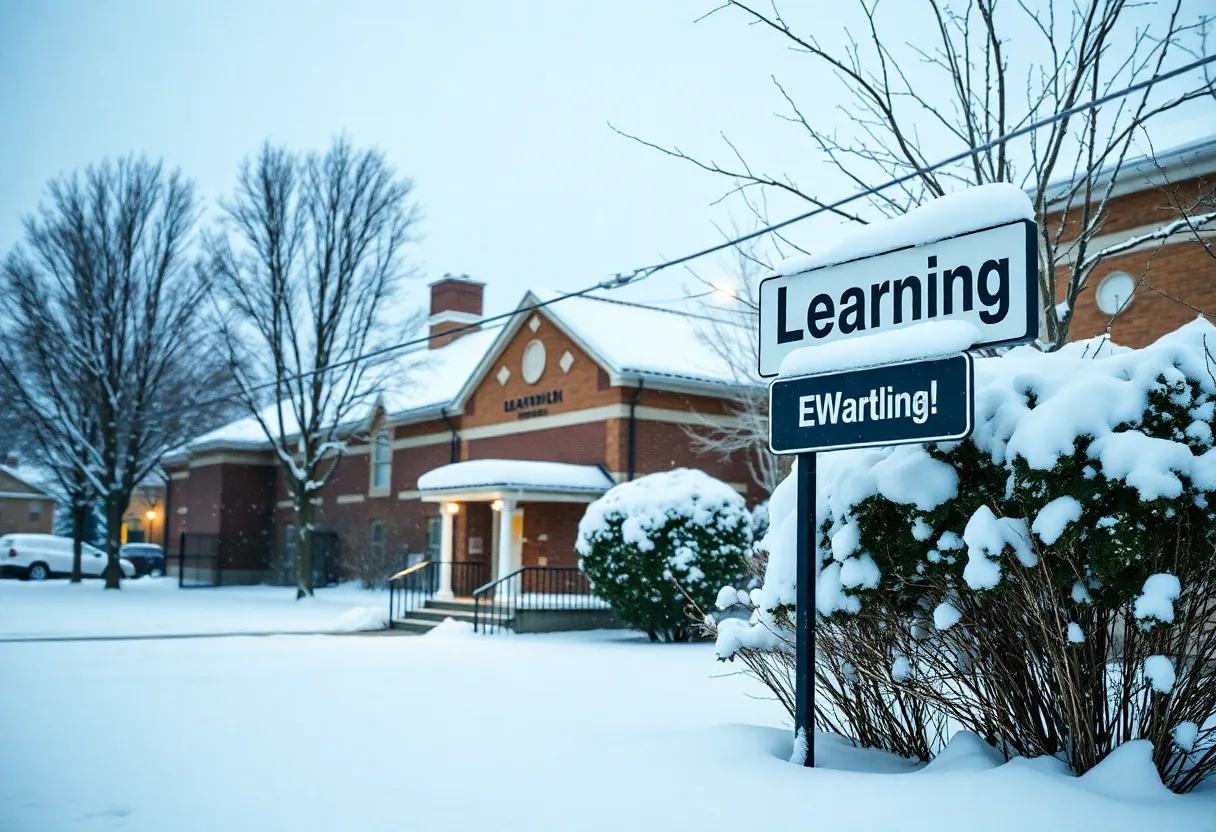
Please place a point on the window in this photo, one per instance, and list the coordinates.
(375, 536)
(434, 531)
(1115, 292)
(35, 511)
(382, 460)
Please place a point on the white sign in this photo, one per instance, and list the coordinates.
(987, 277)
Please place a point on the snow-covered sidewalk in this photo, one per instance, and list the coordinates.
(587, 732)
(157, 607)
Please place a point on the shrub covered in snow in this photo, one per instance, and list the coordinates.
(651, 545)
(1074, 531)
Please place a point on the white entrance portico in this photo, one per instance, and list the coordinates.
(507, 485)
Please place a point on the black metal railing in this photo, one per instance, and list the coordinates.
(531, 588)
(198, 560)
(411, 588)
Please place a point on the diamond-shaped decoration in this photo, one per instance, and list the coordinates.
(566, 362)
(534, 324)
(503, 375)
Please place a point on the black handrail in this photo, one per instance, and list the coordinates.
(409, 589)
(531, 588)
(412, 588)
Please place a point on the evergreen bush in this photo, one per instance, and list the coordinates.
(658, 548)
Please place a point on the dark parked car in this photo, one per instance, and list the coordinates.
(147, 558)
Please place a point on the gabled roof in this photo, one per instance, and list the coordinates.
(1149, 165)
(29, 477)
(663, 348)
(633, 342)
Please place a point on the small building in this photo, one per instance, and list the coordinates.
(25, 506)
(1156, 285)
(487, 449)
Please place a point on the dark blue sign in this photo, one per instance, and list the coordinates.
(919, 401)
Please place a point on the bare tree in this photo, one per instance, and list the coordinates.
(308, 257)
(909, 103)
(52, 418)
(728, 328)
(109, 351)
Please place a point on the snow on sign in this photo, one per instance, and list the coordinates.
(919, 401)
(987, 277)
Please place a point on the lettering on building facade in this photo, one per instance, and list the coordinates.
(530, 407)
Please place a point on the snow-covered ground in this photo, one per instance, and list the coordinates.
(155, 606)
(598, 731)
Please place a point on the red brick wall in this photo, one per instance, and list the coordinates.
(1151, 206)
(1180, 279)
(580, 387)
(456, 295)
(550, 530)
(577, 444)
(247, 506)
(663, 446)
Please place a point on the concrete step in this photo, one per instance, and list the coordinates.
(456, 605)
(412, 626)
(438, 616)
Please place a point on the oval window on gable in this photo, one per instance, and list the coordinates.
(533, 362)
(1115, 292)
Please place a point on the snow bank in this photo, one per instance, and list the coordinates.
(450, 628)
(673, 742)
(920, 342)
(358, 619)
(970, 210)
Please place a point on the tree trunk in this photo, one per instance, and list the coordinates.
(79, 513)
(116, 506)
(304, 549)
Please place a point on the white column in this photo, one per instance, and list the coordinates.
(506, 545)
(446, 539)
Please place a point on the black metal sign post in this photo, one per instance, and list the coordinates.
(804, 671)
(891, 404)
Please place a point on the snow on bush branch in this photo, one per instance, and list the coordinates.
(1081, 503)
(1137, 421)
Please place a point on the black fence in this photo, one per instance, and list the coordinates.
(198, 560)
(326, 563)
(532, 589)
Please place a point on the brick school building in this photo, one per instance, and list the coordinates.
(487, 451)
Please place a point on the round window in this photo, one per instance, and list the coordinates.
(534, 362)
(1114, 293)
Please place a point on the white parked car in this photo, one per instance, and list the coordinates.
(41, 556)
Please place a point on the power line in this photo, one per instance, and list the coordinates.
(637, 275)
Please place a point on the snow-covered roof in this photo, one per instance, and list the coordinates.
(662, 347)
(516, 474)
(1172, 158)
(637, 341)
(28, 476)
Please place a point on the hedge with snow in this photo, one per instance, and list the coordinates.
(1049, 583)
(649, 543)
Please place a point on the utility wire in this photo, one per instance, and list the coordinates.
(639, 274)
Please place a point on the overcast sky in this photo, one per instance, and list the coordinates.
(497, 110)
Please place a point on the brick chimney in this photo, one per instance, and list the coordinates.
(455, 301)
